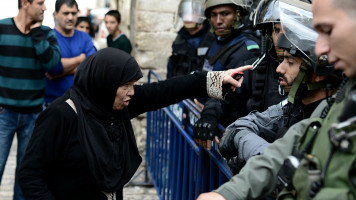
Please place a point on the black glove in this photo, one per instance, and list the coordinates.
(227, 145)
(206, 128)
(235, 164)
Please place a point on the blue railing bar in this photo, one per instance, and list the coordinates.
(212, 171)
(154, 74)
(174, 166)
(204, 171)
(163, 140)
(154, 143)
(221, 178)
(163, 162)
(191, 174)
(216, 158)
(192, 107)
(221, 163)
(179, 172)
(185, 171)
(165, 158)
(198, 175)
(191, 142)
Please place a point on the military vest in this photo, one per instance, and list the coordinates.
(327, 168)
(219, 54)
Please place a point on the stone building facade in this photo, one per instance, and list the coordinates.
(152, 26)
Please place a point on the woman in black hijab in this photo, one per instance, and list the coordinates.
(83, 146)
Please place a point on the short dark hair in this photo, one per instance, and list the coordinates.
(83, 19)
(88, 20)
(115, 14)
(20, 6)
(70, 3)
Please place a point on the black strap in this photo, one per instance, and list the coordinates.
(208, 40)
(231, 51)
(213, 59)
(237, 46)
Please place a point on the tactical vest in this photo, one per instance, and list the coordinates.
(218, 54)
(326, 171)
(187, 59)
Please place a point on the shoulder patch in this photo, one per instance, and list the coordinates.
(250, 44)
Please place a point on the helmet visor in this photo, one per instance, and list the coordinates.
(191, 11)
(266, 12)
(296, 20)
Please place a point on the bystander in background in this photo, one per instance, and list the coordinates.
(75, 46)
(116, 37)
(84, 24)
(27, 48)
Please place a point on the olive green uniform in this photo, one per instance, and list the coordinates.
(259, 176)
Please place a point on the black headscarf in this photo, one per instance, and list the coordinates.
(105, 135)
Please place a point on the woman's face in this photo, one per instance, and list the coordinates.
(123, 95)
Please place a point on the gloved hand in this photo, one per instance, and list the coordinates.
(235, 164)
(227, 145)
(204, 131)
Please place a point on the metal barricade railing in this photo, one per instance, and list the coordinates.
(179, 168)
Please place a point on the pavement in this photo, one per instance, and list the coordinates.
(130, 192)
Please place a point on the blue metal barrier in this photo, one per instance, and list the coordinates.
(179, 168)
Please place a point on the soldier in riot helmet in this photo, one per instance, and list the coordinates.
(235, 45)
(263, 79)
(232, 36)
(265, 84)
(316, 157)
(192, 41)
(306, 88)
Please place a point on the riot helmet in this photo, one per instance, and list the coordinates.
(265, 18)
(191, 12)
(298, 39)
(267, 12)
(297, 25)
(243, 4)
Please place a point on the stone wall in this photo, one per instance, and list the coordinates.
(152, 26)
